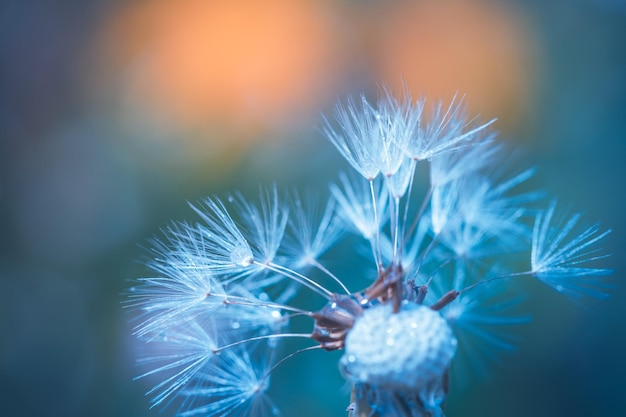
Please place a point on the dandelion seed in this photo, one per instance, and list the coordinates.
(472, 209)
(175, 297)
(266, 226)
(359, 140)
(220, 298)
(559, 251)
(312, 233)
(445, 130)
(356, 208)
(235, 384)
(182, 352)
(221, 239)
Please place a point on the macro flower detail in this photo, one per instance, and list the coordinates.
(440, 248)
(407, 353)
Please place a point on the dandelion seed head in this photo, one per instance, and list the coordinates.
(408, 350)
(222, 292)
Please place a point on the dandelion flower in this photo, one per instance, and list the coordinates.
(219, 301)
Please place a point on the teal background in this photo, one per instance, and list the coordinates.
(84, 183)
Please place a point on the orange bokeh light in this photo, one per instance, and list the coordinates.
(437, 48)
(245, 65)
(242, 64)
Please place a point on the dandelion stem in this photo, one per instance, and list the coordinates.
(299, 278)
(377, 253)
(243, 301)
(264, 337)
(322, 268)
(396, 227)
(407, 203)
(439, 268)
(426, 252)
(291, 355)
(499, 277)
(420, 213)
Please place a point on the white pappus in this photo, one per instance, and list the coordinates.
(221, 294)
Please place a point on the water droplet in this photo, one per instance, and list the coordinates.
(241, 255)
(235, 325)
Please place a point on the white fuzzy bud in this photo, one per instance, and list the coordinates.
(408, 350)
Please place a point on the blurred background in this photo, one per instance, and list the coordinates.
(114, 114)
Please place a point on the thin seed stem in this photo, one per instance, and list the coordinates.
(407, 203)
(488, 280)
(420, 213)
(396, 227)
(439, 268)
(236, 300)
(322, 268)
(299, 278)
(291, 355)
(425, 253)
(378, 252)
(264, 337)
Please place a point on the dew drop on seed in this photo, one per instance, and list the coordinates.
(241, 255)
